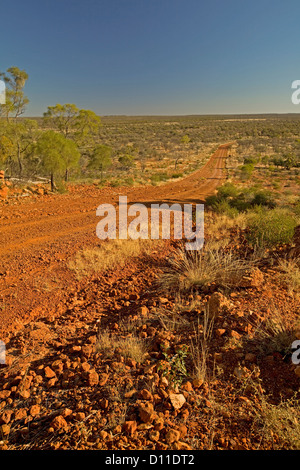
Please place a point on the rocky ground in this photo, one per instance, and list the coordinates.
(73, 379)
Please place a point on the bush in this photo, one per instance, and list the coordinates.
(232, 200)
(263, 198)
(223, 207)
(271, 227)
(159, 177)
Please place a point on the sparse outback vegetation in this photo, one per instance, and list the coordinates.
(145, 345)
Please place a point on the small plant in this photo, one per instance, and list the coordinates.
(200, 346)
(176, 370)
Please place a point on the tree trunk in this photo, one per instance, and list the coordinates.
(52, 182)
(67, 175)
(19, 161)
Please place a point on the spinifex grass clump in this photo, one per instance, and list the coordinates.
(187, 271)
(271, 227)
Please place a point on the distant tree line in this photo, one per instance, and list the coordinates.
(68, 139)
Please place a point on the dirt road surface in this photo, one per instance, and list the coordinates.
(39, 236)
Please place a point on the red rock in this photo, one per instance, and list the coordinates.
(26, 382)
(154, 435)
(85, 366)
(218, 304)
(146, 395)
(5, 429)
(143, 311)
(59, 422)
(234, 334)
(159, 423)
(93, 378)
(4, 192)
(24, 394)
(34, 410)
(49, 373)
(87, 350)
(21, 413)
(130, 427)
(172, 436)
(130, 393)
(220, 331)
(66, 412)
(104, 404)
(183, 430)
(79, 416)
(51, 382)
(146, 411)
(187, 386)
(5, 416)
(179, 445)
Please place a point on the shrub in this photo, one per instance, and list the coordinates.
(263, 198)
(232, 200)
(271, 227)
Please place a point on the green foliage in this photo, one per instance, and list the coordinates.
(16, 101)
(156, 178)
(185, 139)
(176, 370)
(61, 117)
(247, 170)
(82, 125)
(126, 161)
(272, 227)
(101, 158)
(231, 200)
(56, 153)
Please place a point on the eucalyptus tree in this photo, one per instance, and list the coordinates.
(56, 154)
(101, 158)
(16, 101)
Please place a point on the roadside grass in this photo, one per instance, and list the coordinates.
(269, 228)
(109, 255)
(191, 271)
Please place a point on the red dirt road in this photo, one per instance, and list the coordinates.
(38, 236)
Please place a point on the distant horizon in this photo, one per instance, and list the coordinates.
(182, 115)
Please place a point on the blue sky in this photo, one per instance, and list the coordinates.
(142, 57)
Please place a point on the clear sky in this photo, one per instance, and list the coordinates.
(142, 57)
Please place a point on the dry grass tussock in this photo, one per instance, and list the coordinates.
(111, 254)
(131, 347)
(290, 275)
(188, 270)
